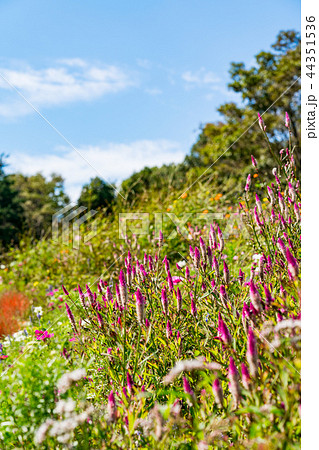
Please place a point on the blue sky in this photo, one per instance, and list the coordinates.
(126, 82)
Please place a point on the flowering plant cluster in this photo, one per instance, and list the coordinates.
(201, 355)
(177, 346)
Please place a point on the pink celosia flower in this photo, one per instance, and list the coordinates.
(252, 355)
(245, 377)
(218, 393)
(233, 381)
(187, 388)
(254, 161)
(255, 297)
(292, 264)
(248, 183)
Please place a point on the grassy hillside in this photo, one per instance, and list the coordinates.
(185, 342)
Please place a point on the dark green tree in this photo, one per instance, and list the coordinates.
(271, 85)
(11, 212)
(40, 198)
(97, 194)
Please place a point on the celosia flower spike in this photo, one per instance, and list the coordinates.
(248, 183)
(111, 408)
(218, 393)
(122, 289)
(254, 161)
(252, 355)
(233, 382)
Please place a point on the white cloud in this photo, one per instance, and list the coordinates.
(201, 79)
(113, 162)
(67, 81)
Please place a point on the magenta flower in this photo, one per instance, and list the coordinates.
(292, 264)
(65, 291)
(248, 183)
(179, 300)
(170, 281)
(287, 120)
(168, 330)
(221, 244)
(166, 263)
(254, 161)
(241, 276)
(202, 248)
(223, 332)
(193, 306)
(255, 297)
(111, 407)
(164, 301)
(233, 381)
(122, 289)
(196, 258)
(71, 318)
(218, 393)
(130, 383)
(245, 377)
(42, 335)
(261, 123)
(268, 296)
(212, 237)
(226, 272)
(223, 295)
(160, 239)
(187, 388)
(216, 266)
(139, 306)
(252, 355)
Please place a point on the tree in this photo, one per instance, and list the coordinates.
(97, 194)
(272, 85)
(11, 212)
(274, 82)
(40, 199)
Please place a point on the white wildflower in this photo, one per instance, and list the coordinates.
(68, 378)
(188, 366)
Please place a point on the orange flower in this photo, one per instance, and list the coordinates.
(168, 209)
(184, 195)
(205, 211)
(218, 196)
(227, 216)
(255, 175)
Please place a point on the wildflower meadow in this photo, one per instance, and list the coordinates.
(152, 342)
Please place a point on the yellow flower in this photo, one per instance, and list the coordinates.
(35, 283)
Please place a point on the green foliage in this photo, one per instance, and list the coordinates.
(40, 199)
(97, 194)
(112, 339)
(11, 219)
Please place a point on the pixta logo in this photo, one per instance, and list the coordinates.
(67, 222)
